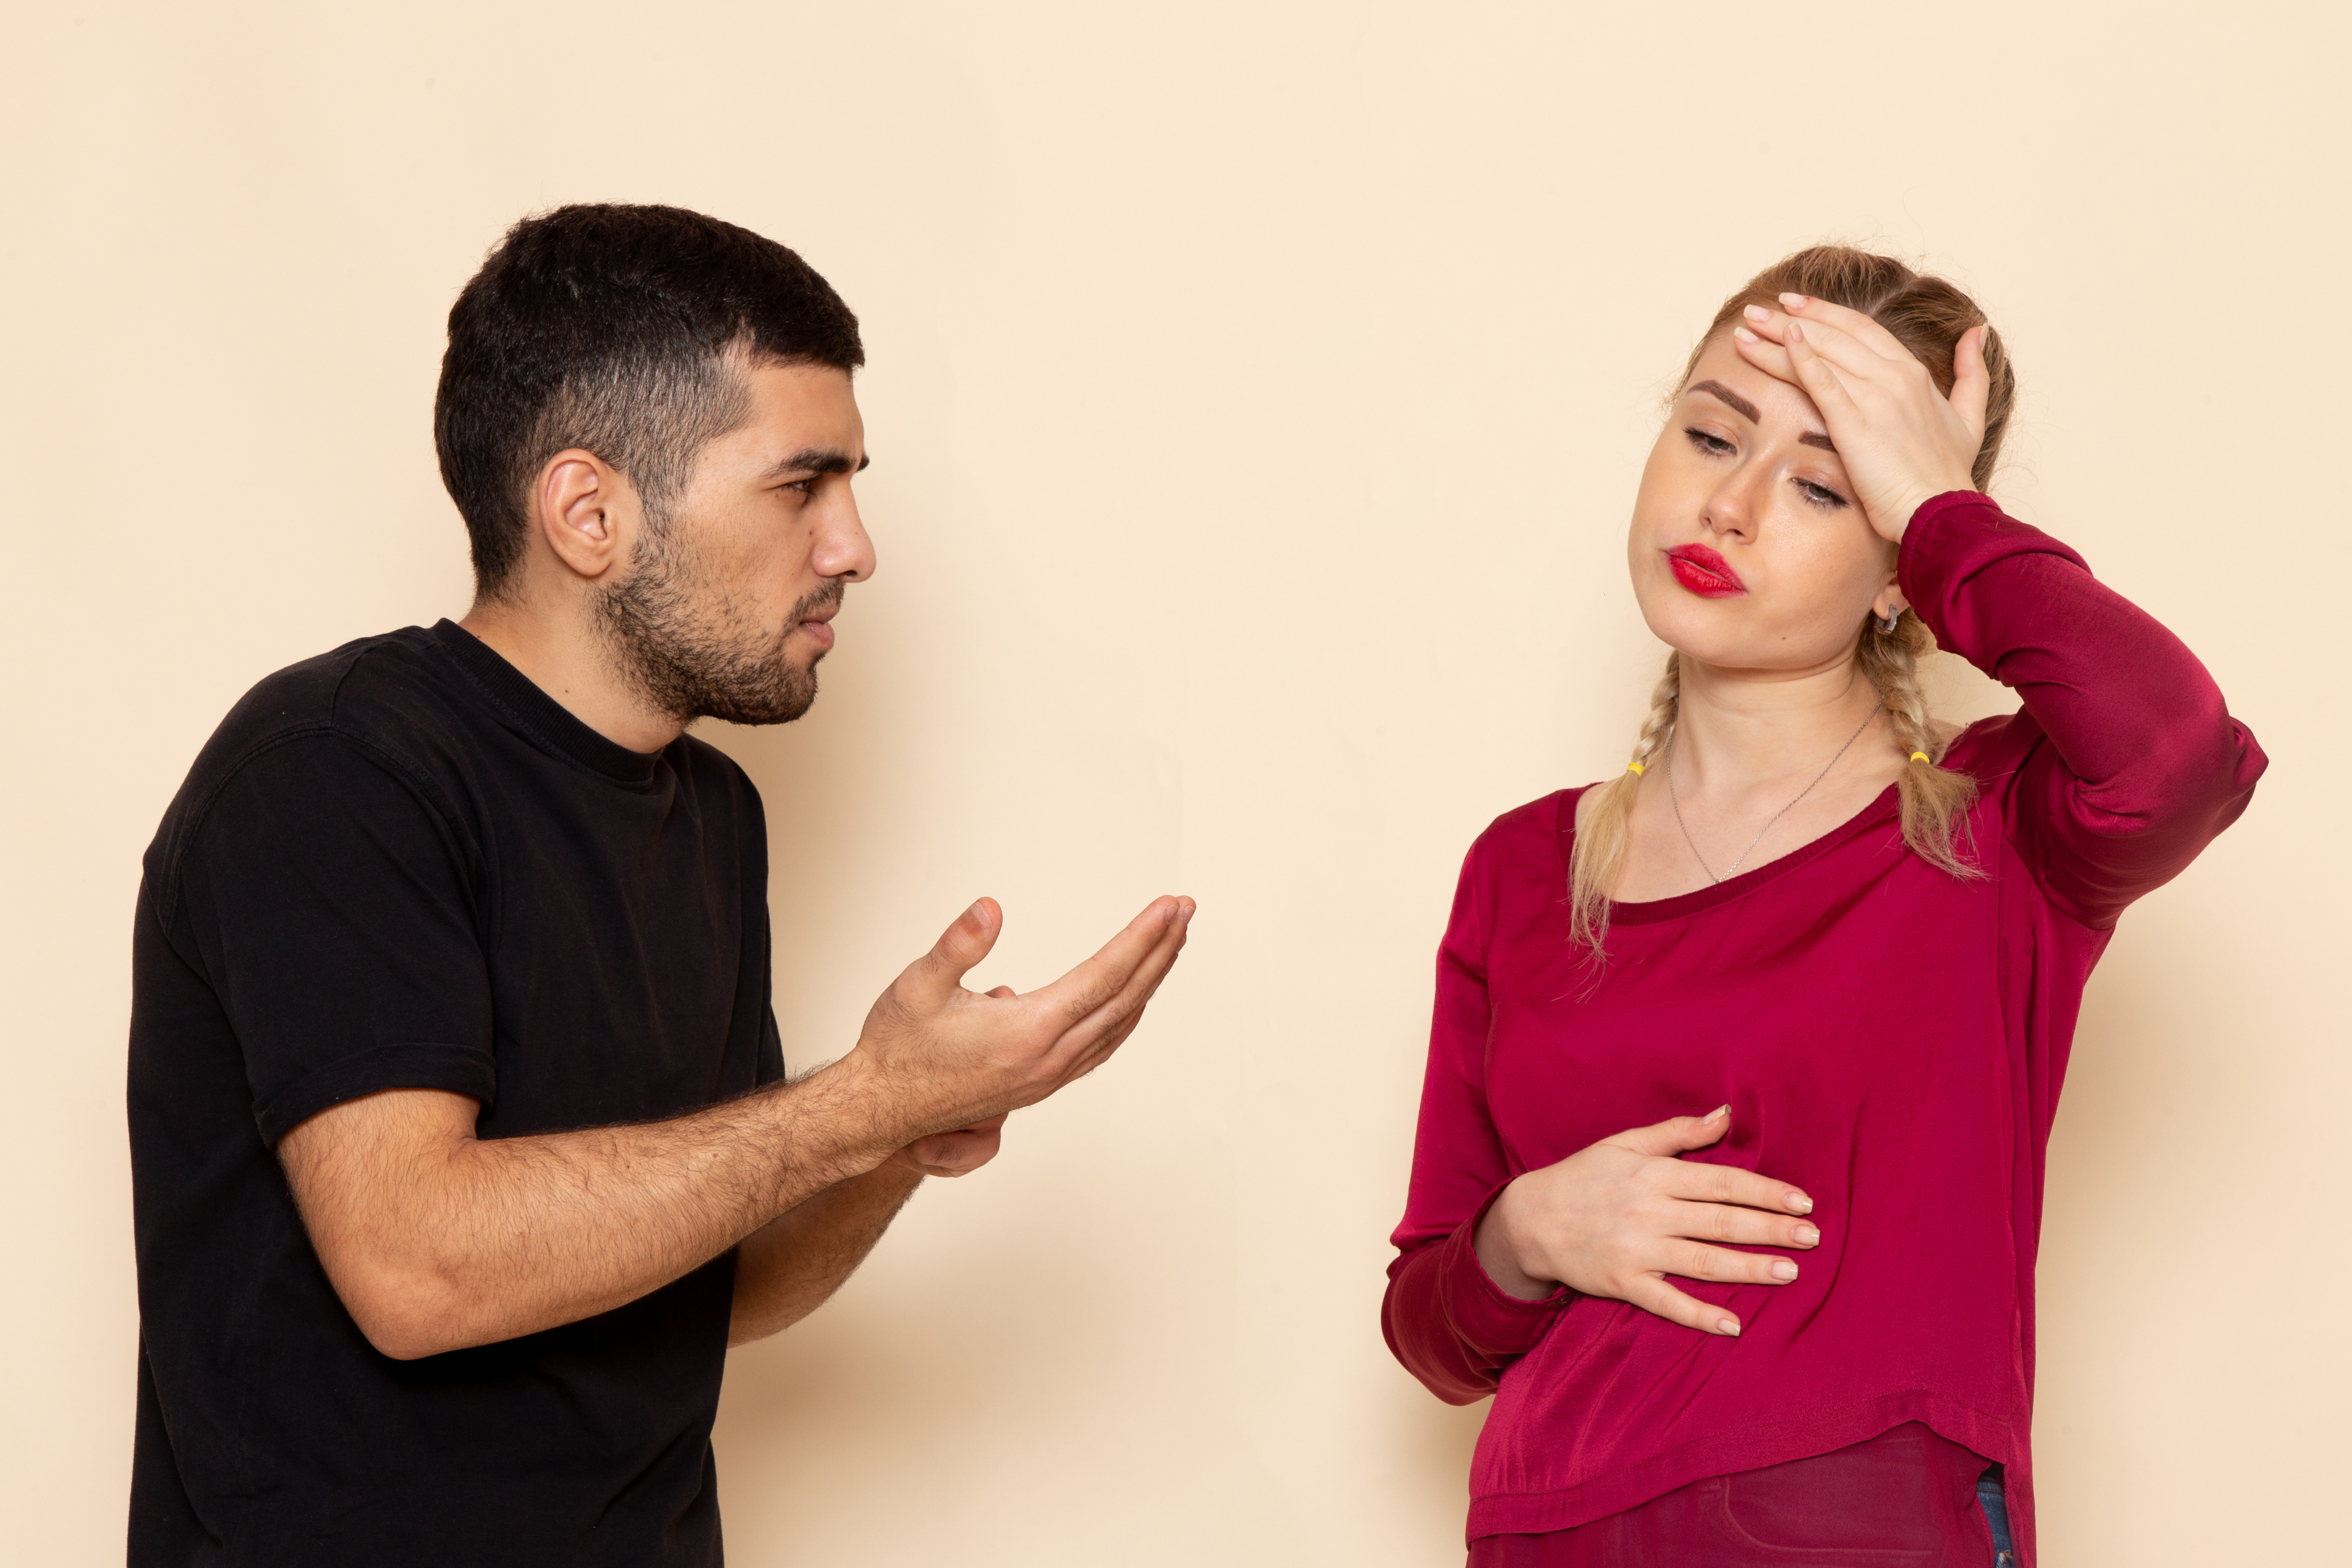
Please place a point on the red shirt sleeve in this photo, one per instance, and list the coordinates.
(1451, 1326)
(2130, 762)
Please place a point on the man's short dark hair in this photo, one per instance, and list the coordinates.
(622, 331)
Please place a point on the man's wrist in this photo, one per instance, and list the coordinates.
(850, 1116)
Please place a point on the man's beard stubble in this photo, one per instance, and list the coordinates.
(692, 652)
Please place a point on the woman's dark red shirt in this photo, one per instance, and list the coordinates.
(1891, 1038)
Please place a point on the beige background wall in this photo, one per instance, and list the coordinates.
(1257, 394)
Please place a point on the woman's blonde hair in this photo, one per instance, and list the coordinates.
(1929, 316)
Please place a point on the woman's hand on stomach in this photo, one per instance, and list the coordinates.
(1615, 1219)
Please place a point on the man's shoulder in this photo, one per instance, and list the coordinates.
(380, 701)
(389, 668)
(389, 692)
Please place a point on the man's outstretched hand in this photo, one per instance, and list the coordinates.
(956, 1060)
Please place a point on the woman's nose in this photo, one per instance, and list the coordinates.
(1731, 508)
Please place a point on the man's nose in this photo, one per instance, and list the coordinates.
(842, 549)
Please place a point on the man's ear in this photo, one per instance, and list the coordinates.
(586, 509)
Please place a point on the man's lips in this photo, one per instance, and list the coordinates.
(1704, 572)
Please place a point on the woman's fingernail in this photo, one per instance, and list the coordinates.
(1808, 1236)
(1795, 334)
(1799, 1203)
(1758, 313)
(1744, 336)
(1783, 1270)
(1795, 301)
(1728, 1326)
(1719, 1111)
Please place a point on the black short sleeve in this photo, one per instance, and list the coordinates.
(331, 905)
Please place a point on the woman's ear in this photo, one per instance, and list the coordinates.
(1888, 602)
(585, 509)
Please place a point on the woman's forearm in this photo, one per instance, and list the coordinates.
(2146, 765)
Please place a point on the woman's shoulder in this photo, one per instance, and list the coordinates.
(1535, 834)
(1992, 749)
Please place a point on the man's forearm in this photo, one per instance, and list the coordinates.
(492, 1239)
(789, 1266)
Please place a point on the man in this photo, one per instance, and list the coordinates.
(461, 1142)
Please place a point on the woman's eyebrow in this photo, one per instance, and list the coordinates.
(1741, 406)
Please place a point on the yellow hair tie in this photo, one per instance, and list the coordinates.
(1633, 768)
(1919, 756)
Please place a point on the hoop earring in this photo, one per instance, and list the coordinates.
(1886, 624)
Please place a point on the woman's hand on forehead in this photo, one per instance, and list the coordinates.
(1901, 441)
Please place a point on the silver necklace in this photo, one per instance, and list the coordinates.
(1733, 869)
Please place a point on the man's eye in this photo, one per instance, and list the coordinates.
(806, 487)
(1713, 446)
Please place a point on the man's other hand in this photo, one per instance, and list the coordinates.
(956, 1153)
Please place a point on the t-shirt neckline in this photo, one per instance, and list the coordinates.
(1655, 912)
(540, 717)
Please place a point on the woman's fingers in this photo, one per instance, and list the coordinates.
(1676, 1134)
(1733, 1225)
(1865, 329)
(1972, 380)
(1820, 378)
(1840, 348)
(1721, 1266)
(1765, 353)
(1654, 1295)
(1702, 1184)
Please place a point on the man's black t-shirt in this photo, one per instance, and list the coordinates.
(402, 865)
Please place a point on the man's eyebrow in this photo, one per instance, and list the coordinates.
(1741, 406)
(820, 460)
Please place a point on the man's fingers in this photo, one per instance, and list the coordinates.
(1703, 1184)
(1676, 1135)
(1114, 1017)
(959, 947)
(1654, 1295)
(1094, 983)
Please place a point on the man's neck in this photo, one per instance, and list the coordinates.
(563, 658)
(1736, 728)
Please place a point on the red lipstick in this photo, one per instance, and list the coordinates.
(1704, 573)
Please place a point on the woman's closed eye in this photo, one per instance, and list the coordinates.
(1712, 445)
(1819, 495)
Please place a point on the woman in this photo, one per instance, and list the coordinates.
(1863, 938)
